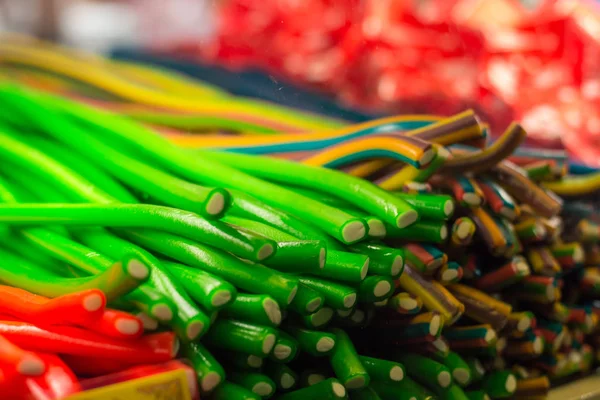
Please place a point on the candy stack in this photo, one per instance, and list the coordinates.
(402, 258)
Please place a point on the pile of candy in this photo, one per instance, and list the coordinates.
(402, 258)
(507, 61)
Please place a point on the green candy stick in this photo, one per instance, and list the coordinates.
(251, 278)
(383, 260)
(318, 319)
(336, 295)
(208, 370)
(477, 395)
(239, 336)
(21, 246)
(476, 368)
(231, 391)
(315, 343)
(382, 370)
(283, 376)
(375, 288)
(430, 206)
(285, 349)
(307, 300)
(344, 266)
(328, 389)
(453, 392)
(257, 383)
(499, 384)
(461, 372)
(406, 389)
(240, 360)
(171, 220)
(366, 393)
(257, 309)
(346, 363)
(426, 371)
(422, 231)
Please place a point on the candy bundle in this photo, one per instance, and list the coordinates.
(402, 258)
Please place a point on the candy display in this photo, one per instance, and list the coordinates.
(147, 217)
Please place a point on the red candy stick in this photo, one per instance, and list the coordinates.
(117, 324)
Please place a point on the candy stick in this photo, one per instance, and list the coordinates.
(405, 303)
(346, 363)
(424, 230)
(383, 260)
(70, 340)
(553, 334)
(15, 360)
(439, 258)
(138, 215)
(462, 231)
(117, 324)
(382, 370)
(367, 393)
(452, 392)
(315, 343)
(499, 384)
(537, 289)
(375, 288)
(206, 289)
(417, 257)
(251, 278)
(543, 262)
(520, 322)
(490, 232)
(283, 376)
(473, 340)
(460, 370)
(506, 275)
(406, 389)
(239, 336)
(449, 273)
(335, 294)
(482, 307)
(531, 347)
(430, 206)
(258, 383)
(499, 201)
(476, 368)
(532, 387)
(313, 376)
(318, 319)
(208, 370)
(20, 246)
(307, 301)
(79, 308)
(344, 266)
(569, 255)
(477, 395)
(530, 230)
(231, 391)
(418, 327)
(411, 187)
(426, 371)
(257, 309)
(285, 349)
(328, 389)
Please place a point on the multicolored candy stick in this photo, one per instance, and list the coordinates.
(499, 201)
(520, 322)
(231, 391)
(449, 273)
(543, 262)
(462, 231)
(529, 347)
(346, 362)
(481, 307)
(472, 340)
(405, 303)
(328, 389)
(511, 272)
(426, 371)
(533, 387)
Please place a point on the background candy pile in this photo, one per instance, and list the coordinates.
(147, 217)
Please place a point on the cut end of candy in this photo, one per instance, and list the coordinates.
(550, 292)
(292, 295)
(31, 366)
(350, 300)
(448, 208)
(408, 303)
(490, 335)
(358, 316)
(463, 231)
(522, 268)
(262, 389)
(216, 204)
(322, 316)
(397, 266)
(344, 313)
(444, 232)
(322, 255)
(127, 327)
(220, 298)
(382, 288)
(93, 302)
(406, 219)
(472, 199)
(254, 362)
(479, 367)
(268, 343)
(558, 340)
(461, 375)
(162, 312)
(427, 157)
(508, 213)
(287, 380)
(137, 269)
(148, 322)
(282, 351)
(325, 344)
(434, 325)
(444, 379)
(265, 251)
(313, 305)
(176, 346)
(524, 324)
(396, 373)
(354, 231)
(273, 311)
(194, 330)
(210, 381)
(441, 345)
(355, 383)
(449, 275)
(313, 379)
(538, 345)
(338, 389)
(364, 270)
(578, 254)
(511, 384)
(376, 228)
